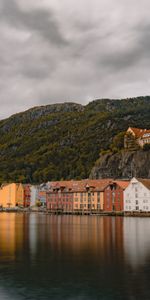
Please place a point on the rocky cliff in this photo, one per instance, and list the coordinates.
(125, 164)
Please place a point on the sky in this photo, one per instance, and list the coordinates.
(76, 51)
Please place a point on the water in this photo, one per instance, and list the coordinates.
(74, 257)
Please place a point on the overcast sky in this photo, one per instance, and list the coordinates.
(68, 50)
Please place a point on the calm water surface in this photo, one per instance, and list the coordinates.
(74, 257)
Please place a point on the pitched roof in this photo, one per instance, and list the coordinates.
(145, 182)
(123, 184)
(81, 185)
(140, 133)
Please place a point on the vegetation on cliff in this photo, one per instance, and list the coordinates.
(63, 141)
(123, 164)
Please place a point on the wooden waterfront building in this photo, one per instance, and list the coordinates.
(114, 196)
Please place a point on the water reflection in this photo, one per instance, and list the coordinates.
(74, 257)
(137, 240)
(11, 235)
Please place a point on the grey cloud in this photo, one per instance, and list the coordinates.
(41, 21)
(54, 52)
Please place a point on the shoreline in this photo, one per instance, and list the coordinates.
(78, 213)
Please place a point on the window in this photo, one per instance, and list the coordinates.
(98, 197)
(113, 197)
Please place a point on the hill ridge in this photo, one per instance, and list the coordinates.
(63, 141)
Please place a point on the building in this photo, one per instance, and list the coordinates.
(60, 196)
(136, 137)
(114, 196)
(76, 196)
(34, 195)
(12, 195)
(42, 190)
(27, 195)
(137, 195)
(88, 195)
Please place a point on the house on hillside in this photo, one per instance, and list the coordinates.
(137, 195)
(136, 137)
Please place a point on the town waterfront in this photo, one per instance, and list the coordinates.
(74, 257)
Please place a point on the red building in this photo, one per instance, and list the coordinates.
(114, 195)
(27, 195)
(60, 197)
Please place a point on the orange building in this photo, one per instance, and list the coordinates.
(12, 195)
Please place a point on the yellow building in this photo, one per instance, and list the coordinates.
(11, 195)
(89, 195)
(88, 201)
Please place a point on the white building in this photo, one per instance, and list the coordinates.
(34, 195)
(136, 136)
(137, 195)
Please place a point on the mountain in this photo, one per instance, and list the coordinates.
(63, 141)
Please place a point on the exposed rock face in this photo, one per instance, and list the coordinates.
(39, 112)
(125, 164)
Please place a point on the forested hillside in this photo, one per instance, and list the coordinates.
(63, 141)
